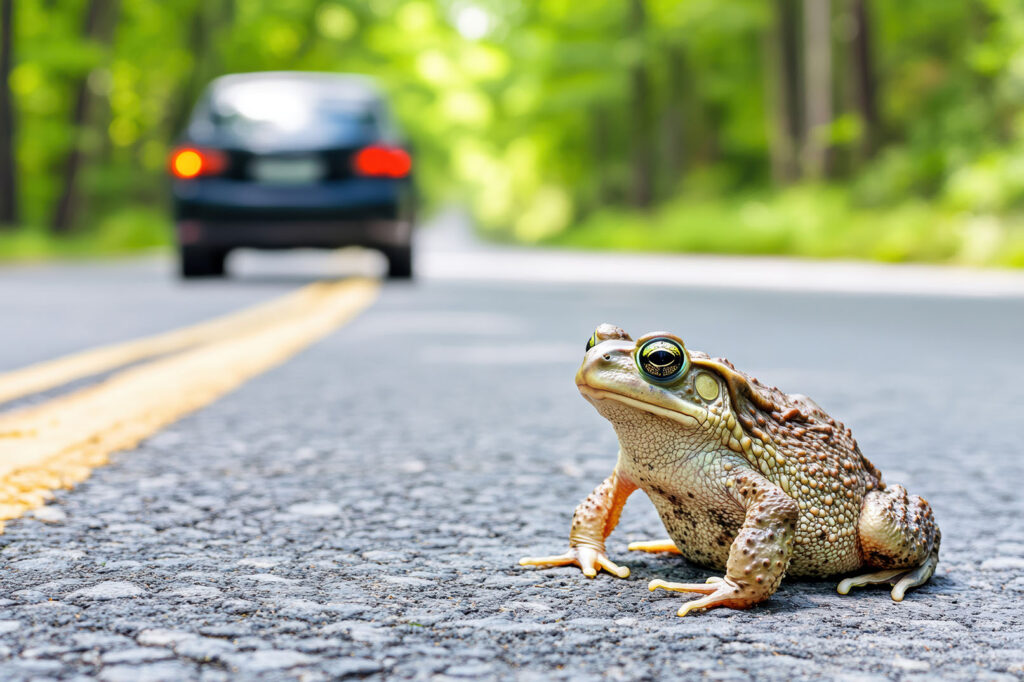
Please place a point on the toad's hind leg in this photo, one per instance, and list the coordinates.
(898, 535)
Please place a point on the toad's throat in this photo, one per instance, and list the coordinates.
(691, 417)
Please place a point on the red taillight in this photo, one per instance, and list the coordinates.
(190, 162)
(382, 162)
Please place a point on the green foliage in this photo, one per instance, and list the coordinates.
(813, 221)
(529, 113)
(126, 231)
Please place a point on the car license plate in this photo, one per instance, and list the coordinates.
(294, 170)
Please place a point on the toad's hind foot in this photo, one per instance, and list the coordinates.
(902, 579)
(717, 591)
(665, 545)
(897, 535)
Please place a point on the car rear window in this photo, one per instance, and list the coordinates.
(284, 114)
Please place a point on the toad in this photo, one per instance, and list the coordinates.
(744, 477)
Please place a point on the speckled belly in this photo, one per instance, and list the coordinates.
(702, 532)
(704, 529)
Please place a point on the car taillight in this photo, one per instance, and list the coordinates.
(379, 161)
(190, 162)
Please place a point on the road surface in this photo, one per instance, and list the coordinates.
(359, 510)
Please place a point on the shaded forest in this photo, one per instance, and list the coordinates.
(824, 127)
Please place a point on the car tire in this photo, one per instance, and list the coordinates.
(399, 262)
(198, 261)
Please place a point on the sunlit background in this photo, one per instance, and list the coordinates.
(829, 128)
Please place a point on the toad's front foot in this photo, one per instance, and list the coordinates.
(718, 591)
(589, 559)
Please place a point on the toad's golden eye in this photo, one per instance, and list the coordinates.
(662, 359)
(592, 341)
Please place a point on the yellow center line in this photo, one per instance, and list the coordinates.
(52, 373)
(58, 443)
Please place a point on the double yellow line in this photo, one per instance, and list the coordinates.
(58, 443)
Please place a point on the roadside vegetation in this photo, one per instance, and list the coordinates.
(806, 220)
(127, 232)
(824, 128)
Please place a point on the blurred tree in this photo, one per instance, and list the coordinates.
(539, 114)
(100, 20)
(601, 131)
(817, 86)
(8, 179)
(675, 114)
(210, 18)
(783, 70)
(642, 191)
(864, 77)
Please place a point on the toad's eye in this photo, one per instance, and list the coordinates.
(662, 359)
(592, 341)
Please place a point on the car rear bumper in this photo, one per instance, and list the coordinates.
(323, 234)
(224, 199)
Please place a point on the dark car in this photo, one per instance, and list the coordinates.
(288, 159)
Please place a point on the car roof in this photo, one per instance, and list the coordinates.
(349, 86)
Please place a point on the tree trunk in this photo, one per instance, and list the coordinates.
(818, 85)
(210, 17)
(8, 179)
(864, 77)
(600, 130)
(781, 65)
(792, 72)
(197, 45)
(100, 20)
(640, 97)
(982, 27)
(675, 108)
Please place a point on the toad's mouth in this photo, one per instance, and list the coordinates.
(686, 414)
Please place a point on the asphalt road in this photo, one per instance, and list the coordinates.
(359, 511)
